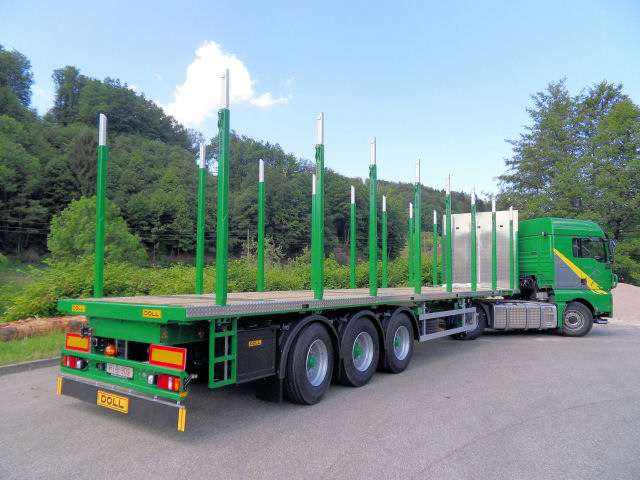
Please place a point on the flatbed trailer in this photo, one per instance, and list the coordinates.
(138, 355)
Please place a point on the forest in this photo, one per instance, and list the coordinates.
(579, 157)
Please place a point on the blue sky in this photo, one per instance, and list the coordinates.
(444, 81)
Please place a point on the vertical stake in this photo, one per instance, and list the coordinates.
(222, 234)
(317, 274)
(314, 232)
(411, 242)
(511, 263)
(474, 274)
(352, 238)
(417, 233)
(261, 206)
(384, 241)
(435, 248)
(448, 243)
(202, 175)
(494, 256)
(373, 222)
(101, 202)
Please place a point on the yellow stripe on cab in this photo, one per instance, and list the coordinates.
(593, 286)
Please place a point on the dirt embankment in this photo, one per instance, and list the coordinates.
(626, 305)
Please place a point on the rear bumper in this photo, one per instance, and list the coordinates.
(147, 408)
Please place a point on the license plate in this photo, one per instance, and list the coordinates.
(114, 402)
(119, 370)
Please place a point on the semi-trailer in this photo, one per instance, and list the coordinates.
(139, 355)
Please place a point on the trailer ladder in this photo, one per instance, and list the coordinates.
(226, 329)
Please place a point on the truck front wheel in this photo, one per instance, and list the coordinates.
(577, 320)
(309, 366)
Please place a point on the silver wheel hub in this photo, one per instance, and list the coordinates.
(362, 351)
(317, 362)
(401, 343)
(573, 320)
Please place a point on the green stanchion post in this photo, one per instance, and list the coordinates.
(494, 256)
(318, 273)
(101, 202)
(448, 242)
(373, 223)
(417, 233)
(474, 274)
(202, 176)
(411, 244)
(384, 241)
(352, 238)
(435, 248)
(511, 262)
(222, 234)
(261, 206)
(314, 232)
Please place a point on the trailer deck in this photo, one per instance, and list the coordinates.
(198, 307)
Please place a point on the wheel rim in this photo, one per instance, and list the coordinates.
(362, 351)
(317, 362)
(401, 342)
(573, 320)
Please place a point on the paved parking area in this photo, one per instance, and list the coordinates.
(515, 405)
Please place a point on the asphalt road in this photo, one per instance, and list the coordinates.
(510, 406)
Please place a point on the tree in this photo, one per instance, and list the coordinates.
(69, 84)
(581, 158)
(73, 234)
(15, 73)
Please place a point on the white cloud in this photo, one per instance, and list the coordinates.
(133, 88)
(289, 81)
(198, 98)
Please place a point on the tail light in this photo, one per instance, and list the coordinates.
(70, 361)
(169, 382)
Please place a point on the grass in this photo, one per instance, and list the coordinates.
(31, 348)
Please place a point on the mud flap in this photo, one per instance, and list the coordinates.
(148, 409)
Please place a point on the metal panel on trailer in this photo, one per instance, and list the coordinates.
(461, 248)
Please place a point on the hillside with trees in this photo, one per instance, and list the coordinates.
(579, 158)
(46, 163)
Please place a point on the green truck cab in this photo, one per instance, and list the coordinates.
(569, 263)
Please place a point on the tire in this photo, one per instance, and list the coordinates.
(309, 366)
(398, 343)
(360, 352)
(577, 320)
(481, 318)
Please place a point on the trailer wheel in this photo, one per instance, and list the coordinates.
(577, 320)
(309, 366)
(360, 352)
(398, 343)
(481, 319)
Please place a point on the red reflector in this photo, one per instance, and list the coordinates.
(169, 382)
(69, 361)
(75, 341)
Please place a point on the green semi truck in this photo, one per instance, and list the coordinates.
(139, 355)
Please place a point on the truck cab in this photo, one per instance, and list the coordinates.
(568, 262)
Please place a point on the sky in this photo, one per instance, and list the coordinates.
(446, 82)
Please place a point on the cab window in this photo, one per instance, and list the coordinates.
(589, 248)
